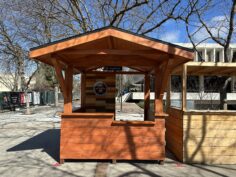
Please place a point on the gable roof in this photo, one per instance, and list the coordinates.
(73, 41)
(115, 28)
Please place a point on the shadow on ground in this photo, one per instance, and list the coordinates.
(48, 141)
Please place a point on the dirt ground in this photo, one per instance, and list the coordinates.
(29, 146)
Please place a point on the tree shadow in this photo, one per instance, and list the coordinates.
(48, 141)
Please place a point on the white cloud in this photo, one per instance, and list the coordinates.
(217, 25)
(172, 36)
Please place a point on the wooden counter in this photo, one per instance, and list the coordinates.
(98, 136)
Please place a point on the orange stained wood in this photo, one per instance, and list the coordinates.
(69, 86)
(59, 75)
(96, 135)
(108, 139)
(82, 91)
(162, 74)
(146, 96)
(111, 47)
(107, 33)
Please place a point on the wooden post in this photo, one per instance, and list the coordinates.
(69, 87)
(184, 87)
(60, 78)
(158, 94)
(161, 79)
(168, 94)
(147, 97)
(82, 90)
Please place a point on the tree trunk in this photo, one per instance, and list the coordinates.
(27, 112)
(223, 94)
(56, 95)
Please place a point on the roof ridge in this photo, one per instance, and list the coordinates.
(106, 28)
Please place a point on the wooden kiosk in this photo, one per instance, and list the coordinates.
(91, 133)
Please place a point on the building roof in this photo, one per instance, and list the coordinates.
(116, 28)
(111, 46)
(208, 69)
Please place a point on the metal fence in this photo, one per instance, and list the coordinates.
(13, 100)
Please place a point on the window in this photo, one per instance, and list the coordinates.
(176, 83)
(217, 57)
(234, 57)
(200, 56)
(215, 84)
(208, 56)
(192, 84)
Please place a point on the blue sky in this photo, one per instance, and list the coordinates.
(174, 32)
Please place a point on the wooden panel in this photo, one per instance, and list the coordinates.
(211, 142)
(214, 151)
(174, 132)
(94, 103)
(120, 155)
(210, 138)
(102, 138)
(215, 133)
(208, 125)
(211, 159)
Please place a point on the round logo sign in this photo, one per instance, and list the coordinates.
(100, 88)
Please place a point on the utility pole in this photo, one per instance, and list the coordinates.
(120, 92)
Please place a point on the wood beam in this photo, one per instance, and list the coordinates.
(91, 68)
(162, 74)
(100, 61)
(138, 69)
(62, 61)
(110, 42)
(82, 90)
(168, 94)
(69, 87)
(147, 97)
(199, 71)
(126, 37)
(225, 71)
(174, 50)
(184, 86)
(59, 75)
(115, 72)
(112, 52)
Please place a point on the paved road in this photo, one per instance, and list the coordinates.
(29, 147)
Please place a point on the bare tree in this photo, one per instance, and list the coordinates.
(12, 58)
(31, 22)
(220, 30)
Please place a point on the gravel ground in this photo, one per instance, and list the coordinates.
(29, 146)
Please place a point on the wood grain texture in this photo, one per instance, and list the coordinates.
(174, 132)
(119, 37)
(94, 103)
(209, 138)
(96, 138)
(202, 137)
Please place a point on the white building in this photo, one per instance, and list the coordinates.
(212, 62)
(7, 82)
(213, 53)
